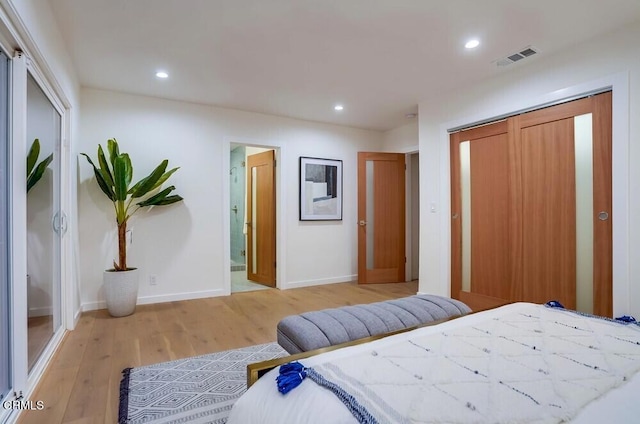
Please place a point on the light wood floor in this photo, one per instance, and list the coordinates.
(81, 385)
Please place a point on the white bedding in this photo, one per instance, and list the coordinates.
(310, 403)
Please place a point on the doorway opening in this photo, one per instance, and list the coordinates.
(413, 216)
(252, 218)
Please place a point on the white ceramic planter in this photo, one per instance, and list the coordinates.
(121, 291)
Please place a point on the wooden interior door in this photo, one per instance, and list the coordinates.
(261, 214)
(381, 217)
(534, 224)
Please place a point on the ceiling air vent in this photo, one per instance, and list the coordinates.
(523, 54)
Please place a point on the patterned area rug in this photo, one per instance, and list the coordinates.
(201, 389)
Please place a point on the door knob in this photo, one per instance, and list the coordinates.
(362, 223)
(603, 216)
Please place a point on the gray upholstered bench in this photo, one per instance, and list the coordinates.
(314, 330)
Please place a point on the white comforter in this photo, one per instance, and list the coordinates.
(429, 402)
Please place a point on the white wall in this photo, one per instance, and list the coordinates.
(615, 57)
(403, 139)
(183, 244)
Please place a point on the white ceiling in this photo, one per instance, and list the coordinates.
(298, 58)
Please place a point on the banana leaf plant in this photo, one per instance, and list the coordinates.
(114, 176)
(35, 173)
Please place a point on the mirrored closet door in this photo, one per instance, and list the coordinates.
(44, 220)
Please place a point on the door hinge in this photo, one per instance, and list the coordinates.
(274, 163)
(405, 259)
(275, 264)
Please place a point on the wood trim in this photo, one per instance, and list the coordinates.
(602, 186)
(556, 113)
(488, 130)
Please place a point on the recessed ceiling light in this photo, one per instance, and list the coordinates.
(472, 44)
(162, 74)
(338, 107)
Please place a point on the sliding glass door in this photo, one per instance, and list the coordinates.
(5, 358)
(44, 222)
(32, 224)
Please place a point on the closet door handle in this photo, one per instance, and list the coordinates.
(59, 223)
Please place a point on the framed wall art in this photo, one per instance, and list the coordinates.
(320, 189)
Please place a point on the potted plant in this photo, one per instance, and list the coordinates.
(114, 176)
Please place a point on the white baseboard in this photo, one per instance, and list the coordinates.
(76, 316)
(146, 300)
(92, 306)
(309, 283)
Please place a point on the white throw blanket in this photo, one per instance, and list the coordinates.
(538, 365)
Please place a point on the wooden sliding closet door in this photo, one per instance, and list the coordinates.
(482, 223)
(548, 213)
(531, 205)
(602, 206)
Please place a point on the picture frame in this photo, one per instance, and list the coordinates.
(320, 189)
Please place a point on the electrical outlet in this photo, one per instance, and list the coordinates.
(153, 280)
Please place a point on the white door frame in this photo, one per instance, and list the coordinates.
(280, 208)
(409, 235)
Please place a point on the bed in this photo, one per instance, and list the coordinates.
(517, 363)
